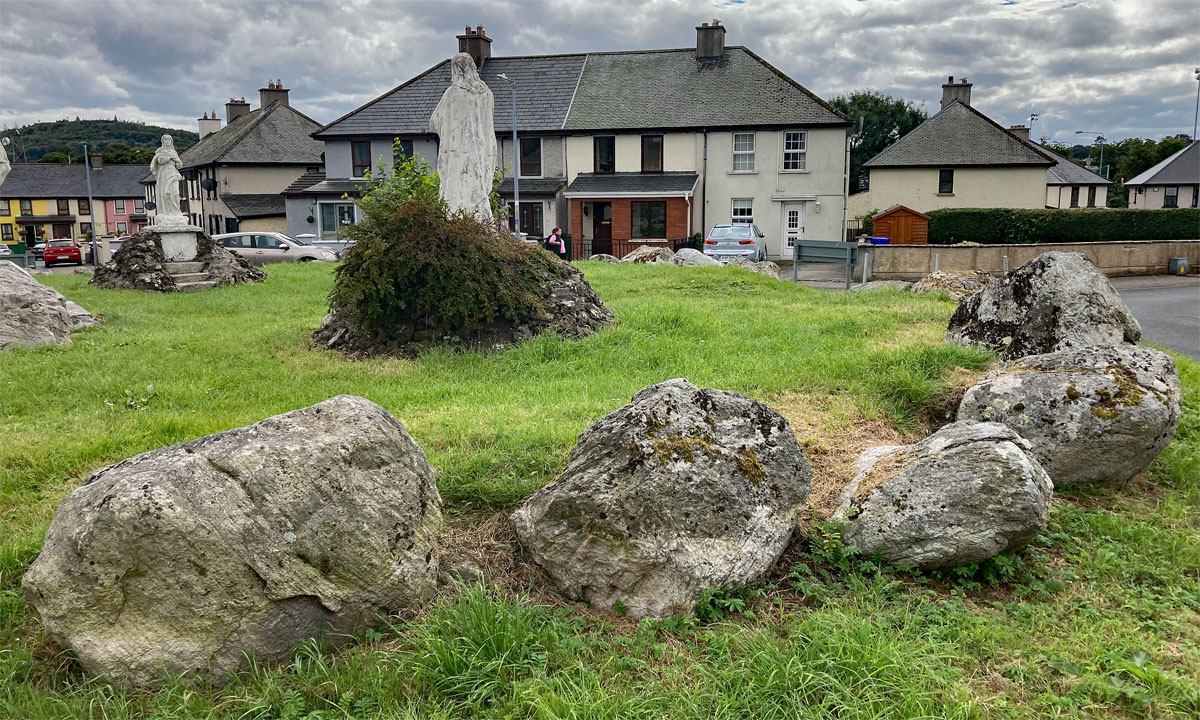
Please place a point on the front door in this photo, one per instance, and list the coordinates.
(602, 228)
(793, 227)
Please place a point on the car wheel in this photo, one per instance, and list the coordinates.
(306, 259)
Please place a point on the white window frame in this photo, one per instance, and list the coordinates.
(321, 231)
(800, 152)
(744, 153)
(119, 206)
(791, 242)
(745, 218)
(541, 157)
(122, 228)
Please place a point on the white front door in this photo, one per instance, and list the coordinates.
(793, 227)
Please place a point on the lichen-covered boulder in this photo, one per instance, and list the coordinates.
(901, 285)
(1055, 301)
(764, 267)
(962, 495)
(683, 490)
(1095, 415)
(604, 258)
(190, 558)
(648, 254)
(960, 285)
(692, 256)
(33, 314)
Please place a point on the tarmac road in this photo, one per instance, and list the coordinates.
(1167, 308)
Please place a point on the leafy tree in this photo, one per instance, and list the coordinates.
(64, 137)
(885, 119)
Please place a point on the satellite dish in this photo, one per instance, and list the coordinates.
(208, 184)
(151, 205)
(7, 141)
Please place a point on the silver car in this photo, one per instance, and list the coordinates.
(260, 248)
(725, 242)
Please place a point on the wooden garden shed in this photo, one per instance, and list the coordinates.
(903, 225)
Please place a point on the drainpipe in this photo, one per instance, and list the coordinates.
(688, 198)
(704, 183)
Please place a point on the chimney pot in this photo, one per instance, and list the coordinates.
(960, 91)
(234, 109)
(273, 92)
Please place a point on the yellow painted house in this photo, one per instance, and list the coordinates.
(43, 201)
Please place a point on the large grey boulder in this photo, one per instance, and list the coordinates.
(764, 267)
(962, 495)
(1055, 301)
(648, 254)
(683, 490)
(189, 558)
(960, 285)
(33, 314)
(874, 285)
(692, 256)
(1092, 415)
(604, 258)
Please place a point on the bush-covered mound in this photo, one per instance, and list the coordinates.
(1008, 226)
(139, 264)
(416, 276)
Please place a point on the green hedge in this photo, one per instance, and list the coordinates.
(1004, 226)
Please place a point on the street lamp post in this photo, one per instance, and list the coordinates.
(1099, 141)
(87, 169)
(1196, 116)
(516, 161)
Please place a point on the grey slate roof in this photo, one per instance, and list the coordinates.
(277, 134)
(606, 91)
(666, 183)
(337, 187)
(533, 186)
(252, 206)
(48, 180)
(1067, 172)
(1182, 168)
(304, 182)
(669, 89)
(959, 135)
(545, 85)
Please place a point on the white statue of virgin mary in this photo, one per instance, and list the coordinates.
(466, 139)
(166, 165)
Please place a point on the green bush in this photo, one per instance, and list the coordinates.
(1008, 226)
(413, 264)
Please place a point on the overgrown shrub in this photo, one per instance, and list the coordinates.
(413, 264)
(1008, 226)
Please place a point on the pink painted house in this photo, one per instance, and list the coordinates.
(125, 216)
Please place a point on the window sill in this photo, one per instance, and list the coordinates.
(945, 194)
(794, 172)
(742, 172)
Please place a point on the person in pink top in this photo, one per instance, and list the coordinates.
(555, 243)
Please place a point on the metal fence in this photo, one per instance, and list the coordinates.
(584, 248)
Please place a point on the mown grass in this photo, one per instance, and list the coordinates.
(1100, 619)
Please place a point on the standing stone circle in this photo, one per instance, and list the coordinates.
(1095, 415)
(684, 489)
(186, 559)
(962, 495)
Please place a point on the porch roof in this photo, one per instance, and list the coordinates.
(533, 186)
(632, 184)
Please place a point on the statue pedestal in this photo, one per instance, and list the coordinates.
(178, 241)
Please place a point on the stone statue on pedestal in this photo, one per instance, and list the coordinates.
(5, 165)
(166, 165)
(466, 140)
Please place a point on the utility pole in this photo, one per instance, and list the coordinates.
(1196, 116)
(516, 158)
(1099, 141)
(87, 169)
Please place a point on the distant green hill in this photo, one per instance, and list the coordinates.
(120, 141)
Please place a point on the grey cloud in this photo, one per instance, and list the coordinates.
(1121, 66)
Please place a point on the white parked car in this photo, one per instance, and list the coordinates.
(725, 242)
(260, 248)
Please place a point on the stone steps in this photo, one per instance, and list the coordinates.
(194, 286)
(183, 268)
(183, 278)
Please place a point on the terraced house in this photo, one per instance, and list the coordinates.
(618, 148)
(234, 177)
(41, 201)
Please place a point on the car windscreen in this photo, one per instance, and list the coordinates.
(291, 239)
(730, 231)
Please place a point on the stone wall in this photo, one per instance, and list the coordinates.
(1115, 259)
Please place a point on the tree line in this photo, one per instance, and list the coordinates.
(118, 141)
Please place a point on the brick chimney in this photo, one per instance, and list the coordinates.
(209, 124)
(475, 43)
(273, 92)
(1020, 131)
(710, 41)
(960, 91)
(234, 109)
(97, 160)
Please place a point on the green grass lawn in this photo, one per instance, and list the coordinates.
(1101, 618)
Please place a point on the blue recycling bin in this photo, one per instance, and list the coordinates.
(880, 240)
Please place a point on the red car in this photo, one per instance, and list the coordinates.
(58, 251)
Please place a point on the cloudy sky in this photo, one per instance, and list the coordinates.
(1122, 67)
